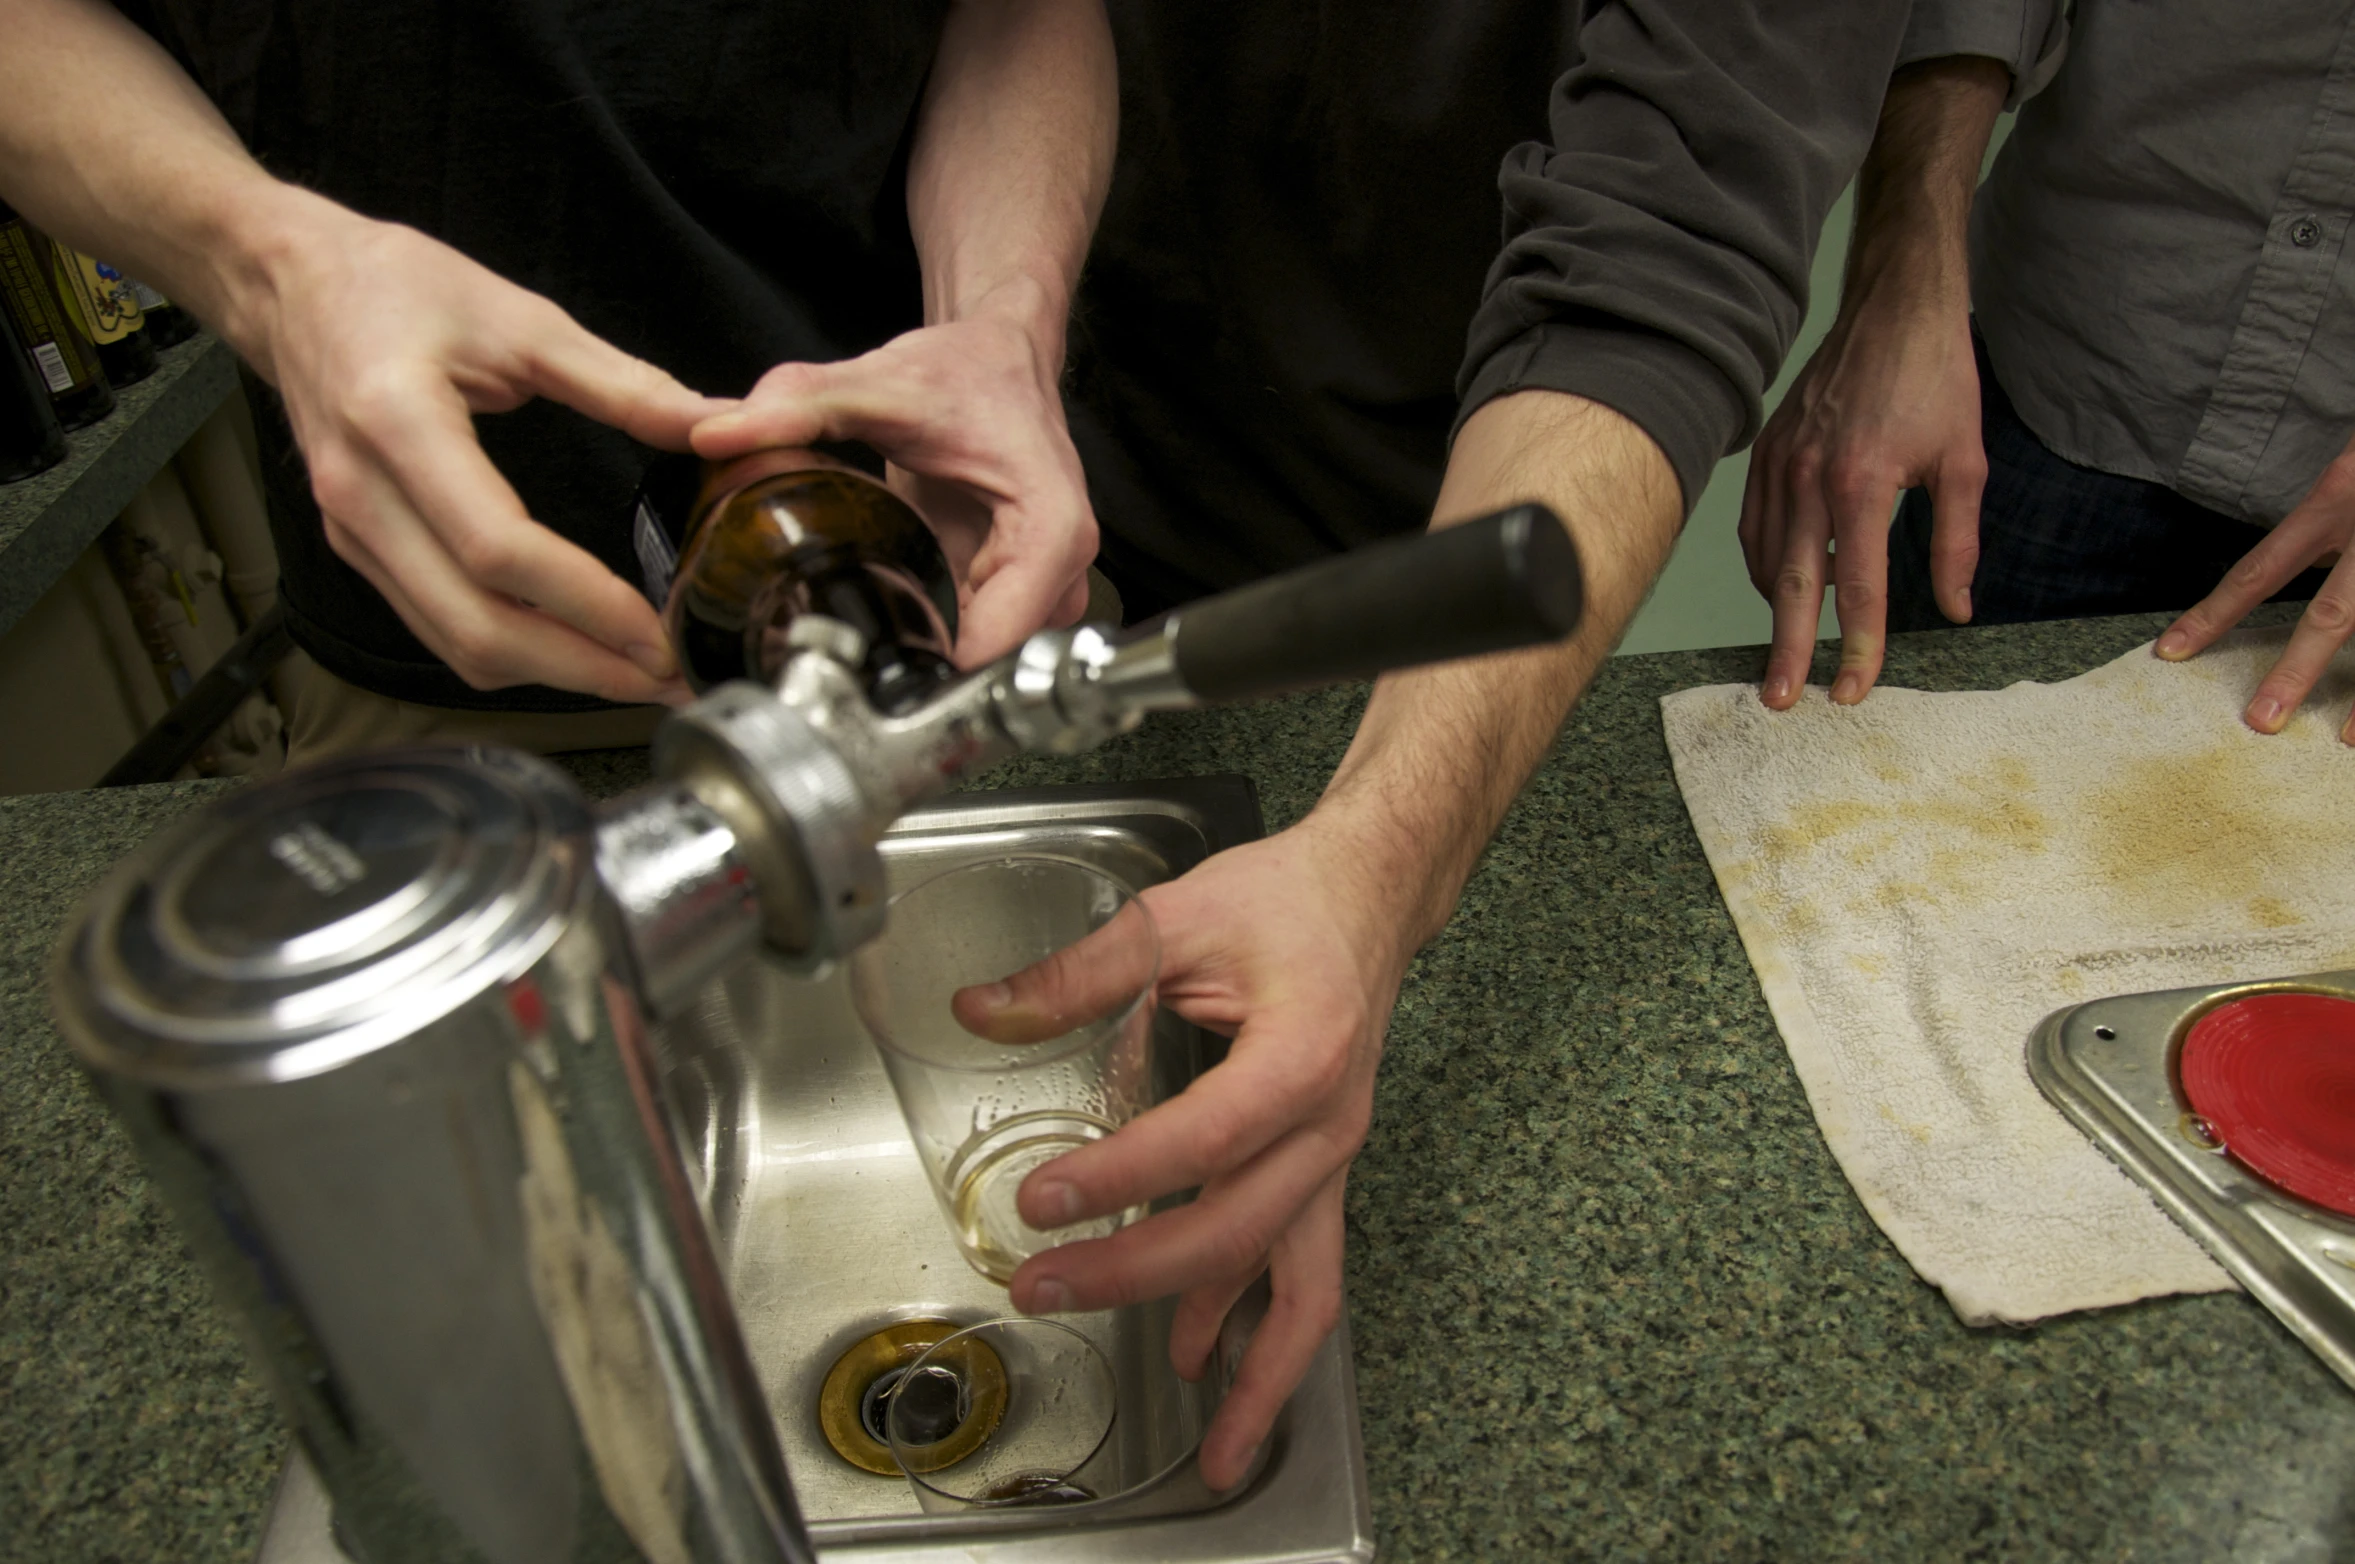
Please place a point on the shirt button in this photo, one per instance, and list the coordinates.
(2305, 233)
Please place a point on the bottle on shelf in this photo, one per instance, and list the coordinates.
(64, 356)
(108, 310)
(776, 535)
(31, 439)
(167, 323)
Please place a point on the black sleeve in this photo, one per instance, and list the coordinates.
(1656, 253)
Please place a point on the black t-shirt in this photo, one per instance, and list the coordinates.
(1265, 352)
(715, 188)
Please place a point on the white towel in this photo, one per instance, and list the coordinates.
(1921, 878)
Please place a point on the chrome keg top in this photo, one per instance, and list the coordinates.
(304, 921)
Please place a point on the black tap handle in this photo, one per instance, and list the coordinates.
(1504, 581)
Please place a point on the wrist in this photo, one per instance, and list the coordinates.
(1037, 309)
(1396, 885)
(269, 236)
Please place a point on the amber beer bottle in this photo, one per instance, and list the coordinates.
(776, 535)
(108, 310)
(67, 360)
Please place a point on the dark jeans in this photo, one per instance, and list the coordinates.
(2057, 540)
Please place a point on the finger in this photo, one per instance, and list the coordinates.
(1954, 533)
(1860, 573)
(427, 444)
(1750, 529)
(1306, 1279)
(489, 641)
(1084, 981)
(2254, 577)
(1228, 1229)
(1201, 1315)
(799, 403)
(590, 375)
(1797, 595)
(1040, 574)
(2321, 631)
(1229, 1115)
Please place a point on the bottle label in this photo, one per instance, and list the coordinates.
(52, 363)
(99, 294)
(658, 561)
(34, 304)
(149, 300)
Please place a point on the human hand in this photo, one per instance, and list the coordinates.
(1277, 944)
(383, 344)
(2323, 526)
(968, 415)
(1889, 402)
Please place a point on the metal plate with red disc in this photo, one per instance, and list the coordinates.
(2274, 1076)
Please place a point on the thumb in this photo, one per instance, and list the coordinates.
(1083, 982)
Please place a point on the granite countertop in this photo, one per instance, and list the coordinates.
(1610, 1294)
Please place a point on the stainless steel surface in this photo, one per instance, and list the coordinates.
(829, 1229)
(683, 888)
(797, 812)
(367, 1029)
(809, 777)
(2110, 1065)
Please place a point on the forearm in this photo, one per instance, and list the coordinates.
(106, 143)
(1012, 159)
(1913, 193)
(1442, 752)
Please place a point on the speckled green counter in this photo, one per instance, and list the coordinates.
(1610, 1294)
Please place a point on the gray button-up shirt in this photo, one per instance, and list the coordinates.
(2159, 257)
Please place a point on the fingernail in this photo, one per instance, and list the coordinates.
(722, 423)
(1847, 690)
(1061, 1202)
(993, 996)
(2172, 644)
(1049, 1297)
(1778, 688)
(1966, 605)
(654, 661)
(2265, 714)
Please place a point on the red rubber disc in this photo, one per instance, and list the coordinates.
(2274, 1076)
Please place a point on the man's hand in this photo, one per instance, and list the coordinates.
(2322, 526)
(1891, 399)
(1012, 157)
(384, 343)
(1297, 945)
(1278, 944)
(969, 417)
(1889, 402)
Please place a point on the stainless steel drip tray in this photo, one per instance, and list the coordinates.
(830, 1232)
(2111, 1066)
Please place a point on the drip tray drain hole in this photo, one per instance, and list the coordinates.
(958, 1403)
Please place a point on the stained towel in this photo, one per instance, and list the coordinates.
(1921, 878)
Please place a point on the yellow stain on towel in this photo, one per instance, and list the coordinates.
(2271, 912)
(2193, 827)
(1980, 817)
